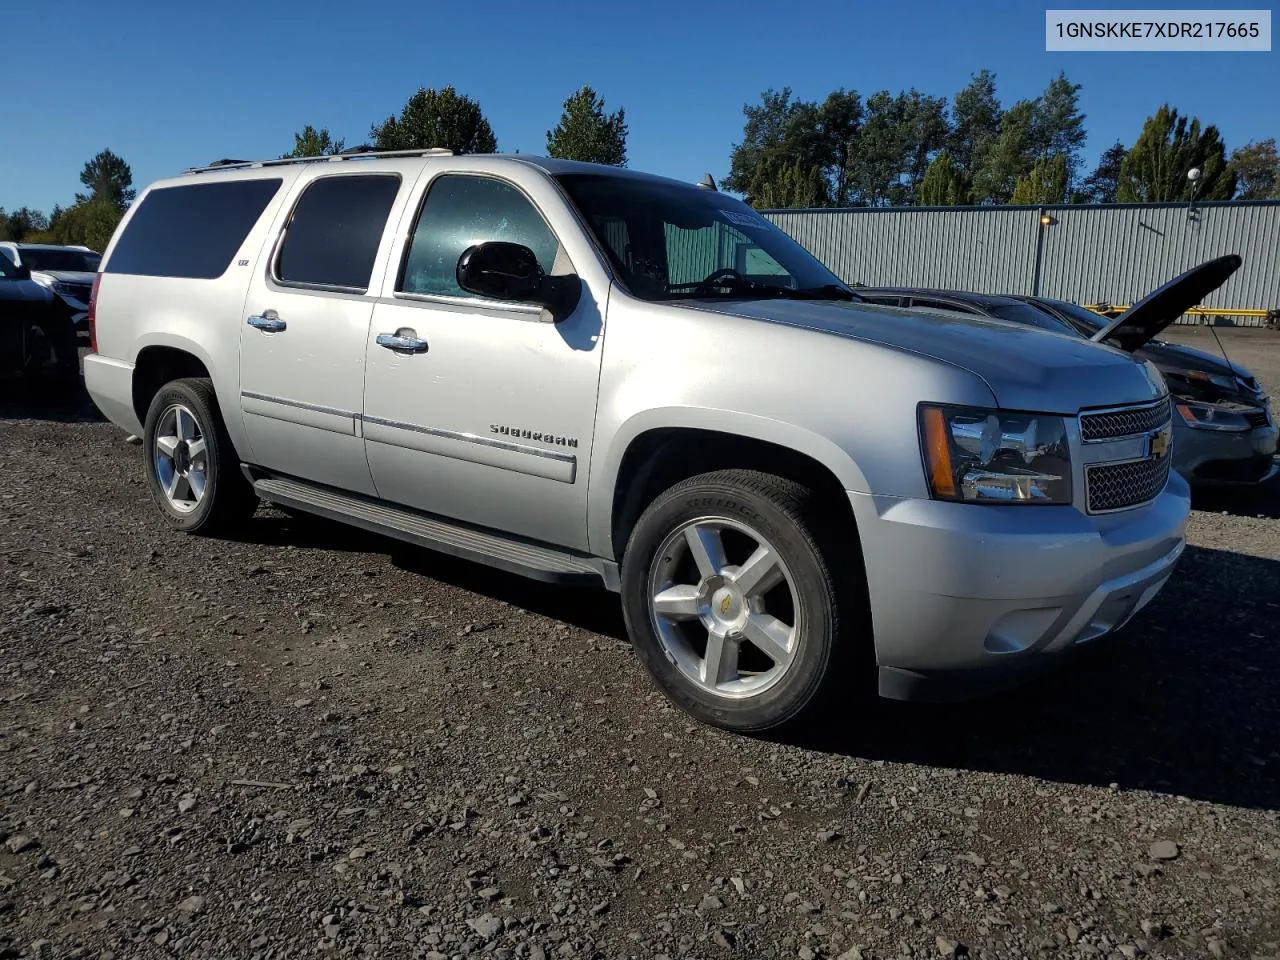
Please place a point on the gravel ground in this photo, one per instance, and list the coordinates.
(314, 742)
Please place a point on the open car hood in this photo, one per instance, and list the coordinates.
(1144, 320)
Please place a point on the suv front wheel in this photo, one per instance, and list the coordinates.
(192, 467)
(734, 603)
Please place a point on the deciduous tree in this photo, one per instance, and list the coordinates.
(22, 223)
(1046, 182)
(310, 142)
(1257, 168)
(1101, 185)
(945, 184)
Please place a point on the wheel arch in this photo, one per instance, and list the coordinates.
(161, 360)
(660, 448)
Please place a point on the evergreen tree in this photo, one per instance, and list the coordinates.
(585, 132)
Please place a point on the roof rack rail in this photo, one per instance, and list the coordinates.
(356, 153)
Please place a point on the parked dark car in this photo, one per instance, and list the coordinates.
(1224, 433)
(37, 336)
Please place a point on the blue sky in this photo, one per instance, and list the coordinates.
(169, 85)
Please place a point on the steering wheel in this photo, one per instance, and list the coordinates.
(724, 273)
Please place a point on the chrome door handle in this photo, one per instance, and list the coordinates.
(271, 324)
(402, 339)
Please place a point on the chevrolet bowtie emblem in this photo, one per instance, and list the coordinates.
(1159, 444)
(725, 603)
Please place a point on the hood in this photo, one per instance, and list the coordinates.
(79, 277)
(1145, 319)
(1026, 368)
(23, 291)
(1199, 375)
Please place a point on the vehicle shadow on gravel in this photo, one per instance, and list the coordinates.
(1184, 701)
(588, 609)
(33, 401)
(595, 610)
(1261, 501)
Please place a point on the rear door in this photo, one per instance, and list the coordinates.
(305, 324)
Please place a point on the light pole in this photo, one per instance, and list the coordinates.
(1194, 176)
(1046, 220)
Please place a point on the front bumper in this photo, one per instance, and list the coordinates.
(79, 312)
(968, 599)
(1214, 457)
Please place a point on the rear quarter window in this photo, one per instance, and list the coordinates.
(190, 231)
(333, 235)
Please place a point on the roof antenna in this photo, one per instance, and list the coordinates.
(708, 183)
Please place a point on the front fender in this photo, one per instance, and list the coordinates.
(605, 469)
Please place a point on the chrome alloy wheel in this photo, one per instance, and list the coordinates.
(725, 607)
(181, 458)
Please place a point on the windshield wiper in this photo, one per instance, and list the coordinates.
(737, 287)
(827, 291)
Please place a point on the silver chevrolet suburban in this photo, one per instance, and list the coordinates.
(585, 374)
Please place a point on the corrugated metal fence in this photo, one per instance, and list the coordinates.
(1114, 253)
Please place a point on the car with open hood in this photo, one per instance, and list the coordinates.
(1225, 430)
(589, 375)
(67, 270)
(37, 340)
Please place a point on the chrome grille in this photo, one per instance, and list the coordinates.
(1115, 486)
(1113, 424)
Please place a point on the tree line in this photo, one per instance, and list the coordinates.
(885, 149)
(911, 148)
(90, 221)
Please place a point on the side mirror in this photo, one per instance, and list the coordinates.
(24, 272)
(510, 271)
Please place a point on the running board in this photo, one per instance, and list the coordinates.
(533, 560)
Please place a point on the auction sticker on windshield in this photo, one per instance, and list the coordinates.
(745, 219)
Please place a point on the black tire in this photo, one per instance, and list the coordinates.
(227, 499)
(52, 361)
(66, 348)
(826, 591)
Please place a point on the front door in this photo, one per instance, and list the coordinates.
(478, 410)
(304, 329)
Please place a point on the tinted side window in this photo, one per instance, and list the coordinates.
(460, 211)
(333, 236)
(191, 231)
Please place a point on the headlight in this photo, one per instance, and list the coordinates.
(61, 288)
(992, 456)
(1218, 380)
(1211, 416)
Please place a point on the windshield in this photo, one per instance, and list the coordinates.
(1031, 316)
(74, 261)
(666, 240)
(1086, 320)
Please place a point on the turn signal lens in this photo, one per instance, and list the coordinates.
(938, 453)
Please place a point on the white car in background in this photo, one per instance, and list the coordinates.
(66, 270)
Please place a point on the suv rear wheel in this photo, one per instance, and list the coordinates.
(734, 603)
(192, 467)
